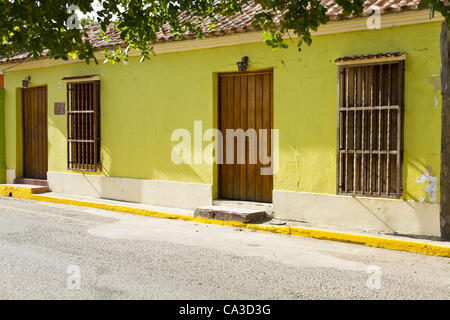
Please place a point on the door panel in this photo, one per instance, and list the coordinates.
(246, 102)
(34, 116)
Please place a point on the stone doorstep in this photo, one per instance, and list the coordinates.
(38, 189)
(247, 205)
(35, 182)
(230, 214)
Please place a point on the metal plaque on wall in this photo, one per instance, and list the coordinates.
(60, 108)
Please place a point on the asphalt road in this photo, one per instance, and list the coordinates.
(109, 255)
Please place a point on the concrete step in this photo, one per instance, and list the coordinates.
(34, 182)
(21, 190)
(248, 205)
(230, 214)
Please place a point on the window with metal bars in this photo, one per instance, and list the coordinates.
(83, 125)
(370, 129)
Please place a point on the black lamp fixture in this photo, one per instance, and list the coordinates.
(26, 81)
(242, 65)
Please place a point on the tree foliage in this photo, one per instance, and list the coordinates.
(37, 26)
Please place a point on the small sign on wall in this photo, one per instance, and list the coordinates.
(60, 108)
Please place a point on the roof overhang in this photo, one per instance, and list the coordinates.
(371, 58)
(332, 27)
(87, 78)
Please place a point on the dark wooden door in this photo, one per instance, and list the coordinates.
(34, 112)
(246, 102)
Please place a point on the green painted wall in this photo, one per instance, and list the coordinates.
(2, 137)
(144, 102)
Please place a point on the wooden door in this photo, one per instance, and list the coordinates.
(34, 113)
(246, 102)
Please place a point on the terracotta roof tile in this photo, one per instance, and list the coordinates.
(239, 22)
(242, 22)
(369, 56)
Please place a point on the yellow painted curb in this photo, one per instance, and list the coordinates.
(379, 242)
(15, 191)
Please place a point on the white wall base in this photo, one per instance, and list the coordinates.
(10, 176)
(384, 215)
(161, 193)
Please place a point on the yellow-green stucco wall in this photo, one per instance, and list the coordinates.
(143, 103)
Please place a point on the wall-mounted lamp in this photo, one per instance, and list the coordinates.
(242, 65)
(26, 81)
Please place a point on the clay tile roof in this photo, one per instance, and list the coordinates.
(370, 56)
(237, 23)
(242, 22)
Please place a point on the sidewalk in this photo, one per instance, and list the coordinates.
(426, 246)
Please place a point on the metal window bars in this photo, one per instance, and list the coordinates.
(83, 125)
(370, 129)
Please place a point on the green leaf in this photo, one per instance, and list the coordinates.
(35, 26)
(73, 55)
(424, 3)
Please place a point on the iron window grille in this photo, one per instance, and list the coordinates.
(370, 129)
(83, 125)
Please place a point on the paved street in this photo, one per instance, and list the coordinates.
(122, 256)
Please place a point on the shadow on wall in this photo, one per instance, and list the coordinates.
(155, 192)
(124, 175)
(414, 216)
(139, 188)
(376, 216)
